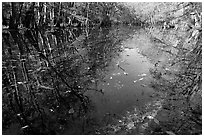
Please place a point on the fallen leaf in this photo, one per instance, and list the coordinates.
(125, 73)
(167, 69)
(142, 74)
(150, 117)
(140, 79)
(68, 91)
(156, 121)
(24, 127)
(170, 133)
(71, 111)
(92, 80)
(51, 110)
(130, 125)
(20, 82)
(45, 87)
(145, 125)
(143, 85)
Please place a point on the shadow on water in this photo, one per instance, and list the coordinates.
(71, 81)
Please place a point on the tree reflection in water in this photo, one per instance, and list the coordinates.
(46, 73)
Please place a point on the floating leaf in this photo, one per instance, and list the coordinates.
(170, 133)
(140, 79)
(143, 85)
(145, 125)
(92, 80)
(142, 74)
(45, 87)
(130, 125)
(51, 110)
(150, 117)
(118, 85)
(156, 121)
(167, 69)
(25, 127)
(68, 91)
(71, 111)
(125, 73)
(20, 82)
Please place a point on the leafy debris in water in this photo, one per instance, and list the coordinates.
(71, 111)
(130, 125)
(142, 75)
(118, 85)
(25, 127)
(143, 85)
(125, 73)
(135, 81)
(136, 119)
(156, 121)
(170, 133)
(141, 79)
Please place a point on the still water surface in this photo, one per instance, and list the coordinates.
(126, 85)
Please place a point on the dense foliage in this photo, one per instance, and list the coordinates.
(65, 14)
(181, 35)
